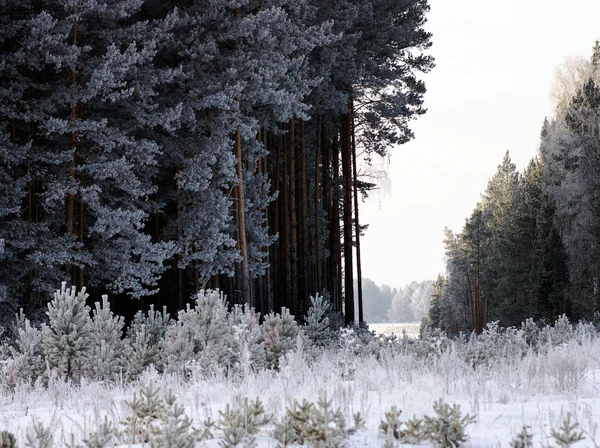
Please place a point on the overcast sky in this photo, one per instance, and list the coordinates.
(488, 93)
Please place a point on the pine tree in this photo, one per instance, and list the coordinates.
(69, 337)
(107, 358)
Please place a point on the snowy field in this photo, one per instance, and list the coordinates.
(503, 390)
(411, 329)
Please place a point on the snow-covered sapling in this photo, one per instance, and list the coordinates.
(69, 338)
(567, 433)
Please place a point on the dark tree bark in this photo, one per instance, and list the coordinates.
(356, 220)
(347, 176)
(241, 223)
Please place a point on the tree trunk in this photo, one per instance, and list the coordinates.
(285, 229)
(293, 220)
(356, 221)
(304, 278)
(241, 222)
(336, 249)
(317, 223)
(347, 176)
(329, 264)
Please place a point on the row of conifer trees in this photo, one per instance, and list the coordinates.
(150, 148)
(530, 249)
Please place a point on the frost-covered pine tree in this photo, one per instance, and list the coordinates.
(107, 359)
(28, 361)
(316, 326)
(143, 338)
(201, 335)
(68, 339)
(82, 104)
(236, 99)
(247, 338)
(32, 250)
(280, 333)
(208, 326)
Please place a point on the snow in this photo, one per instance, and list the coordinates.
(411, 329)
(536, 390)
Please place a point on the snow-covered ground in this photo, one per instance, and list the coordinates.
(411, 329)
(535, 390)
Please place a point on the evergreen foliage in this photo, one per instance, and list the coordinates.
(280, 332)
(28, 352)
(68, 340)
(447, 427)
(241, 424)
(529, 248)
(107, 358)
(318, 424)
(522, 439)
(155, 418)
(39, 435)
(567, 433)
(317, 329)
(7, 440)
(158, 148)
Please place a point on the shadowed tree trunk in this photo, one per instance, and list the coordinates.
(293, 219)
(336, 250)
(317, 221)
(304, 274)
(241, 222)
(347, 175)
(356, 220)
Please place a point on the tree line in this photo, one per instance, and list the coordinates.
(386, 304)
(531, 247)
(149, 148)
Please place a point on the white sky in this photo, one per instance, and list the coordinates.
(488, 93)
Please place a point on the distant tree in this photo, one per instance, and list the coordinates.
(412, 302)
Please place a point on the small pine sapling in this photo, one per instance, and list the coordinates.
(562, 331)
(141, 352)
(107, 357)
(414, 431)
(240, 425)
(102, 437)
(174, 429)
(155, 324)
(316, 328)
(7, 440)
(157, 419)
(144, 409)
(523, 439)
(38, 435)
(447, 427)
(207, 326)
(567, 433)
(69, 338)
(531, 332)
(176, 350)
(293, 428)
(317, 425)
(143, 338)
(390, 425)
(247, 338)
(280, 332)
(27, 355)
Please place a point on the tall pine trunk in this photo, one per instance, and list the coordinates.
(305, 276)
(293, 219)
(347, 175)
(241, 222)
(356, 221)
(336, 231)
(317, 221)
